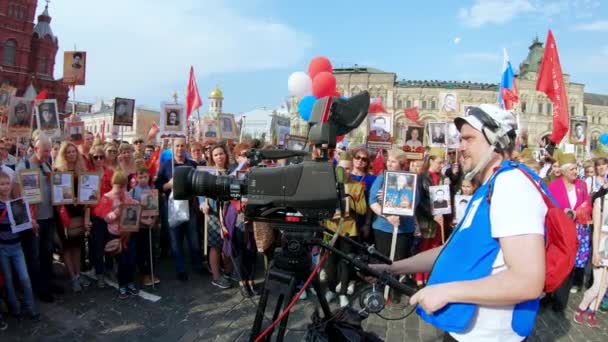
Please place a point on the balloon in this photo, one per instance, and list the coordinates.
(339, 138)
(305, 106)
(604, 138)
(318, 65)
(337, 94)
(299, 84)
(324, 84)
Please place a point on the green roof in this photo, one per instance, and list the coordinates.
(595, 99)
(356, 69)
(447, 84)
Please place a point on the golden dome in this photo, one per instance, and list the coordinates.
(216, 94)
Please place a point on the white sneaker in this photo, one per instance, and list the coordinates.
(343, 301)
(323, 275)
(338, 287)
(329, 296)
(351, 288)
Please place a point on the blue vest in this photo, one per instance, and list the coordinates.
(469, 255)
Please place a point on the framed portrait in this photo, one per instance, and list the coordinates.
(437, 134)
(210, 129)
(6, 94)
(227, 126)
(75, 131)
(413, 137)
(295, 142)
(440, 199)
(19, 215)
(20, 115)
(129, 217)
(47, 117)
(124, 110)
(461, 202)
(30, 180)
(453, 136)
(89, 187)
(379, 127)
(448, 103)
(62, 184)
(399, 193)
(149, 202)
(74, 67)
(282, 129)
(172, 120)
(578, 131)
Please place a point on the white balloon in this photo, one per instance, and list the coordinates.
(299, 84)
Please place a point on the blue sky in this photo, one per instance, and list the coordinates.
(143, 48)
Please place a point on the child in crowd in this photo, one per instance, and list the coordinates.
(12, 257)
(146, 228)
(109, 208)
(467, 188)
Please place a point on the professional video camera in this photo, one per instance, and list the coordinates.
(306, 192)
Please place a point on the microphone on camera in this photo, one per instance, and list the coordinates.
(275, 154)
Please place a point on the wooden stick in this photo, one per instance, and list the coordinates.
(392, 254)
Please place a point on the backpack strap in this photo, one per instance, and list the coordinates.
(548, 201)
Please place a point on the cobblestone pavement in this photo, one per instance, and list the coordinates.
(197, 311)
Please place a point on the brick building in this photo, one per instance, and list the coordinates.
(28, 50)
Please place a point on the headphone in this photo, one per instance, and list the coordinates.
(496, 134)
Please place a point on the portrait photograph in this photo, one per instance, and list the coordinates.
(448, 103)
(20, 116)
(210, 129)
(437, 134)
(414, 136)
(6, 94)
(124, 110)
(172, 120)
(399, 193)
(74, 67)
(76, 131)
(380, 127)
(461, 202)
(440, 199)
(19, 215)
(227, 126)
(129, 217)
(31, 185)
(63, 188)
(47, 116)
(453, 136)
(149, 202)
(89, 187)
(578, 131)
(294, 142)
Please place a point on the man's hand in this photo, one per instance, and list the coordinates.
(168, 185)
(204, 208)
(393, 220)
(596, 260)
(35, 227)
(431, 298)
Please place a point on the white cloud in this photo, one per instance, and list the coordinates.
(493, 11)
(597, 26)
(480, 56)
(145, 47)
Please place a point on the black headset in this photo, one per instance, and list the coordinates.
(494, 133)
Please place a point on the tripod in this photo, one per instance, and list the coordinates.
(291, 267)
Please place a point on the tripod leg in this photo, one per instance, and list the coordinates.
(291, 292)
(259, 316)
(316, 284)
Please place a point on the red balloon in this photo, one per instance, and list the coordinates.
(319, 65)
(340, 138)
(324, 84)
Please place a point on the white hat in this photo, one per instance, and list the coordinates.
(497, 125)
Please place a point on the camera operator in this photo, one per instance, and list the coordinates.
(486, 282)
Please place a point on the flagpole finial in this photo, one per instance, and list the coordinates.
(174, 96)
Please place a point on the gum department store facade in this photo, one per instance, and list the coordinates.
(534, 108)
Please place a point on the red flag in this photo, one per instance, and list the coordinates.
(153, 163)
(42, 95)
(412, 114)
(103, 130)
(551, 82)
(193, 99)
(378, 164)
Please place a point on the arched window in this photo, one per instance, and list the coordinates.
(10, 50)
(43, 65)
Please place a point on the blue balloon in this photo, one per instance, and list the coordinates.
(305, 106)
(604, 138)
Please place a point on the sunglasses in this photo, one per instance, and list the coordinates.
(361, 158)
(99, 157)
(138, 142)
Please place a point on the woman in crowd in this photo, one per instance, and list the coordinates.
(196, 153)
(361, 173)
(72, 215)
(126, 164)
(586, 311)
(429, 225)
(216, 231)
(111, 151)
(571, 194)
(99, 233)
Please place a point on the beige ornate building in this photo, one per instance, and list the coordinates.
(443, 100)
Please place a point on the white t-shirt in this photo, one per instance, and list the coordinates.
(517, 209)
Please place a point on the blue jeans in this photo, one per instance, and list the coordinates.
(13, 255)
(190, 231)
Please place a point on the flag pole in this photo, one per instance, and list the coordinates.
(200, 126)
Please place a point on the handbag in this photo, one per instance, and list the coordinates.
(179, 211)
(113, 247)
(75, 228)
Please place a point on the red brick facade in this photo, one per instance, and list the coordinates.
(25, 57)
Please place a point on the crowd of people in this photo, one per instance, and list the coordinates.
(89, 238)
